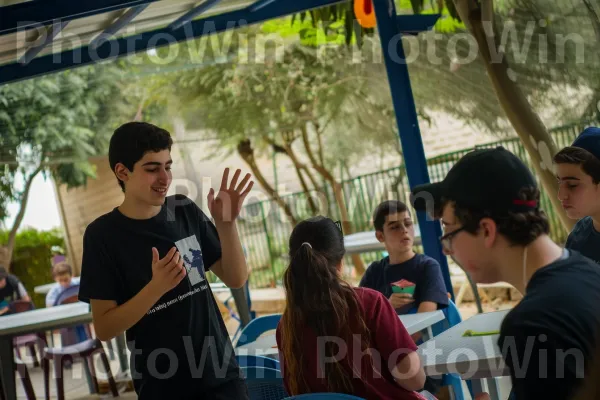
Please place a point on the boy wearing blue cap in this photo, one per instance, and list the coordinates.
(578, 173)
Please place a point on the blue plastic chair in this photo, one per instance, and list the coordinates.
(257, 327)
(453, 318)
(325, 396)
(78, 333)
(257, 361)
(66, 294)
(264, 383)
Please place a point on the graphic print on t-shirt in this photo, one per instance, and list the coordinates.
(190, 250)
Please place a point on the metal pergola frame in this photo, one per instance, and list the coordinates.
(390, 26)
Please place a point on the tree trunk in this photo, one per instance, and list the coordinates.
(12, 236)
(594, 17)
(339, 198)
(299, 167)
(311, 202)
(525, 121)
(246, 151)
(286, 149)
(311, 177)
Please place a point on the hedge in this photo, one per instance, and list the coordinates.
(31, 261)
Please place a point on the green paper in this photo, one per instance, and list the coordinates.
(470, 333)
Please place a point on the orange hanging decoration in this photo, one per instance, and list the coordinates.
(365, 14)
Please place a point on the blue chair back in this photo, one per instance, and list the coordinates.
(257, 327)
(453, 318)
(76, 334)
(66, 294)
(257, 361)
(325, 396)
(264, 383)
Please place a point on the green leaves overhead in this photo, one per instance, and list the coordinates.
(56, 121)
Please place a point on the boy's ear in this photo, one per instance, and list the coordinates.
(379, 236)
(121, 172)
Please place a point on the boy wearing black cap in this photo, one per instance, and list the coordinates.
(494, 228)
(578, 173)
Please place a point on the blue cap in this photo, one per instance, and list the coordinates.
(589, 140)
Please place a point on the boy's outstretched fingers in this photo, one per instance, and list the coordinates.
(243, 183)
(482, 396)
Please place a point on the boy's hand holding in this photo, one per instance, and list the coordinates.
(399, 300)
(167, 272)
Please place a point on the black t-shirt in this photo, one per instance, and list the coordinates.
(422, 270)
(183, 336)
(585, 239)
(548, 339)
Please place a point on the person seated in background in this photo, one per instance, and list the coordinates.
(578, 173)
(11, 289)
(62, 273)
(333, 337)
(394, 228)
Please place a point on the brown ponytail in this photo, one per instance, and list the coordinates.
(317, 297)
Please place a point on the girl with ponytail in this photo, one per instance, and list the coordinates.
(337, 338)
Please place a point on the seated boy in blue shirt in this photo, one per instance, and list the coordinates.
(578, 173)
(394, 227)
(63, 276)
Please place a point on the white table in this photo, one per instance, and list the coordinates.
(473, 358)
(422, 322)
(267, 345)
(44, 289)
(364, 242)
(40, 320)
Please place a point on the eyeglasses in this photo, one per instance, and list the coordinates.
(447, 239)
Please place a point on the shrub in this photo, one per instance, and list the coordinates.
(31, 261)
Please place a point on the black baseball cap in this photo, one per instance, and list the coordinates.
(589, 140)
(484, 179)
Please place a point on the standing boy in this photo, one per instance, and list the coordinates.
(495, 229)
(395, 228)
(143, 272)
(578, 173)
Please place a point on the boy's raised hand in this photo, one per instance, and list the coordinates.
(226, 206)
(168, 271)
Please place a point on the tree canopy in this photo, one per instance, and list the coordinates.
(52, 125)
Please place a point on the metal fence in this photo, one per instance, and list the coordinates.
(265, 229)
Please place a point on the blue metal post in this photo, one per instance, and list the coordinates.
(408, 124)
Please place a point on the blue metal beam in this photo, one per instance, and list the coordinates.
(119, 24)
(193, 13)
(31, 14)
(390, 27)
(124, 46)
(48, 37)
(413, 24)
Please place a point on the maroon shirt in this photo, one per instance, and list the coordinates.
(388, 338)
